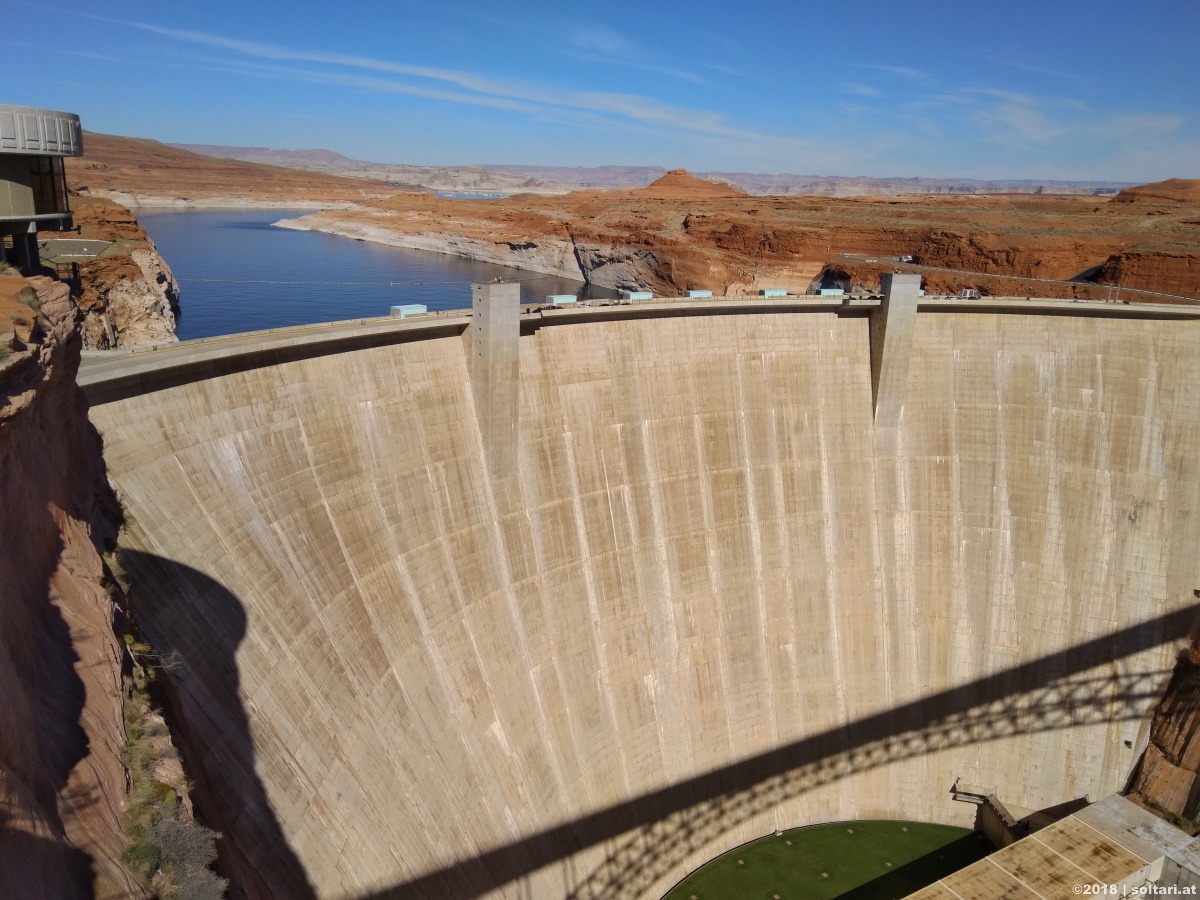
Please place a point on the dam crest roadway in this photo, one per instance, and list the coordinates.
(731, 566)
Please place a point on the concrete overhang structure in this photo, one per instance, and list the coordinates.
(33, 184)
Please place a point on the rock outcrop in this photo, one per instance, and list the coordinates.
(1176, 190)
(679, 184)
(548, 255)
(682, 232)
(1168, 774)
(128, 294)
(1174, 270)
(62, 781)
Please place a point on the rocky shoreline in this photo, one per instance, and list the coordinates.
(547, 255)
(606, 265)
(682, 232)
(156, 201)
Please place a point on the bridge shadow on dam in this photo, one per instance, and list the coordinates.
(648, 837)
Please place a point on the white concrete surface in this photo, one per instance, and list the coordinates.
(405, 670)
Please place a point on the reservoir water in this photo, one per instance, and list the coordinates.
(237, 273)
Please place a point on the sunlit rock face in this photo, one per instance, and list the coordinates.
(62, 781)
(713, 600)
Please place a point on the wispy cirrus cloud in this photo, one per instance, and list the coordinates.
(1021, 119)
(1014, 63)
(600, 44)
(903, 71)
(456, 86)
(863, 90)
(68, 51)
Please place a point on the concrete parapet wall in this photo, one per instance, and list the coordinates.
(705, 607)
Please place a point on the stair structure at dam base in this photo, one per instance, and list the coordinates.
(508, 604)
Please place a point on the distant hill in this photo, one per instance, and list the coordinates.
(862, 186)
(486, 180)
(296, 159)
(1183, 190)
(604, 178)
(141, 172)
(679, 184)
(501, 179)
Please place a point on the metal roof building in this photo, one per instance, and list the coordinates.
(33, 184)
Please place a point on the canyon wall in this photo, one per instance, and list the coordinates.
(62, 782)
(616, 266)
(714, 599)
(681, 233)
(1174, 272)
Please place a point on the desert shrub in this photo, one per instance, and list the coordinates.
(186, 851)
(184, 845)
(167, 851)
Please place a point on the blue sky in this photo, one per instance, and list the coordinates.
(1056, 89)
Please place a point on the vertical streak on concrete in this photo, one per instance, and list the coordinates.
(493, 350)
(891, 344)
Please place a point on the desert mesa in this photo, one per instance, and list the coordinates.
(682, 232)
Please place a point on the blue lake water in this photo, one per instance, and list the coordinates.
(225, 261)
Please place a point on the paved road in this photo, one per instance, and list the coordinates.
(914, 267)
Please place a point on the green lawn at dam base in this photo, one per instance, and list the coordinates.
(869, 860)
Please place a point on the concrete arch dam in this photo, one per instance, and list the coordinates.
(708, 595)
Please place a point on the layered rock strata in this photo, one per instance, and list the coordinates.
(62, 781)
(681, 233)
(1168, 774)
(128, 295)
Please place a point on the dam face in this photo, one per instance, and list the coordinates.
(713, 600)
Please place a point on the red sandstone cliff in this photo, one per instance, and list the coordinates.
(682, 232)
(62, 782)
(128, 295)
(1181, 190)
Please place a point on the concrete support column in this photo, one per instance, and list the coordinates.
(26, 251)
(493, 346)
(891, 344)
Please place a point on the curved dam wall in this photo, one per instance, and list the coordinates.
(713, 599)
